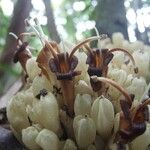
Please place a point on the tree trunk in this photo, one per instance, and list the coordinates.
(51, 21)
(111, 17)
(17, 26)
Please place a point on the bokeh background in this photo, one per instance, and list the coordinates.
(68, 20)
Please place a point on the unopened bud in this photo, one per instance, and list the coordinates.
(40, 83)
(85, 131)
(28, 137)
(69, 145)
(32, 68)
(47, 140)
(82, 105)
(102, 113)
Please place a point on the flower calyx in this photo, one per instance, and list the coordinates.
(132, 120)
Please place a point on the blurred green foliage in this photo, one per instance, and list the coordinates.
(4, 24)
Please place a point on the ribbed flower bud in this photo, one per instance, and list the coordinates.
(91, 147)
(102, 113)
(40, 82)
(32, 68)
(47, 140)
(82, 105)
(69, 145)
(149, 113)
(16, 110)
(113, 146)
(142, 60)
(142, 142)
(117, 39)
(83, 88)
(120, 77)
(137, 87)
(28, 137)
(45, 112)
(85, 131)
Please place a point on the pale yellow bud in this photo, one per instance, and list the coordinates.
(69, 145)
(142, 60)
(40, 83)
(83, 88)
(117, 39)
(32, 68)
(116, 123)
(28, 137)
(103, 118)
(45, 112)
(149, 113)
(126, 45)
(137, 87)
(16, 111)
(142, 142)
(118, 59)
(137, 45)
(82, 105)
(47, 140)
(85, 131)
(113, 146)
(91, 147)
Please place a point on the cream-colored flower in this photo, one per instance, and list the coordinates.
(81, 87)
(137, 87)
(16, 110)
(69, 145)
(82, 105)
(40, 82)
(45, 112)
(117, 39)
(142, 142)
(32, 68)
(28, 137)
(103, 118)
(84, 130)
(47, 140)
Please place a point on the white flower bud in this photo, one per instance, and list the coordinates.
(137, 45)
(142, 60)
(45, 112)
(142, 142)
(16, 112)
(137, 87)
(126, 45)
(129, 79)
(69, 145)
(117, 39)
(47, 140)
(82, 105)
(103, 118)
(113, 146)
(118, 59)
(91, 147)
(40, 83)
(28, 137)
(148, 113)
(85, 131)
(116, 123)
(32, 68)
(120, 77)
(83, 88)
(82, 66)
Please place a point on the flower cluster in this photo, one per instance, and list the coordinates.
(81, 97)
